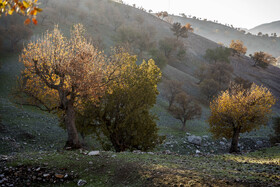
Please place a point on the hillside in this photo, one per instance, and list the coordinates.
(31, 141)
(224, 34)
(267, 28)
(102, 28)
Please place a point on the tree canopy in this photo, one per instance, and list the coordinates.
(238, 47)
(263, 59)
(185, 109)
(59, 72)
(220, 54)
(238, 110)
(179, 30)
(123, 113)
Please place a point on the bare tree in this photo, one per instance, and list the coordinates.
(185, 109)
(172, 89)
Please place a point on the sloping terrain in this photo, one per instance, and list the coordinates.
(224, 34)
(103, 20)
(33, 140)
(267, 28)
(67, 168)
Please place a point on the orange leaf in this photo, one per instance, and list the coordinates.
(27, 21)
(33, 12)
(35, 22)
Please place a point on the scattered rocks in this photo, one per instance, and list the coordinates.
(224, 139)
(94, 153)
(259, 143)
(195, 139)
(81, 182)
(90, 162)
(167, 152)
(59, 176)
(46, 175)
(29, 175)
(137, 151)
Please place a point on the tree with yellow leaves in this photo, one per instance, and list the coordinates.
(59, 72)
(238, 110)
(27, 8)
(238, 47)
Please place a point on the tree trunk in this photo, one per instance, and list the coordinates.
(234, 141)
(171, 101)
(184, 125)
(73, 137)
(116, 145)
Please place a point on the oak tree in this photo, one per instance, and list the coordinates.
(238, 110)
(263, 59)
(189, 27)
(171, 89)
(59, 72)
(219, 54)
(123, 113)
(185, 109)
(238, 47)
(179, 30)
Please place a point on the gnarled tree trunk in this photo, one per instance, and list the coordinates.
(73, 137)
(234, 141)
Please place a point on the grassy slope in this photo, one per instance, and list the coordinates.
(34, 126)
(31, 132)
(132, 169)
(25, 128)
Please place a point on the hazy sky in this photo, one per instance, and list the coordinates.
(240, 13)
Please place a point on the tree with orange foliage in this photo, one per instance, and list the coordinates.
(59, 72)
(263, 59)
(189, 27)
(238, 47)
(27, 8)
(239, 110)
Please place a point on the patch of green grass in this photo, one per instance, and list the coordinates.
(130, 169)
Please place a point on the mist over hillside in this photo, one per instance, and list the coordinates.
(110, 23)
(220, 33)
(267, 28)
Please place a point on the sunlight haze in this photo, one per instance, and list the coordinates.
(240, 13)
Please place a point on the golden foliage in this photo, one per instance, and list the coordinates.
(239, 108)
(58, 68)
(238, 47)
(27, 8)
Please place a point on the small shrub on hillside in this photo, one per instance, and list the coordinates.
(219, 54)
